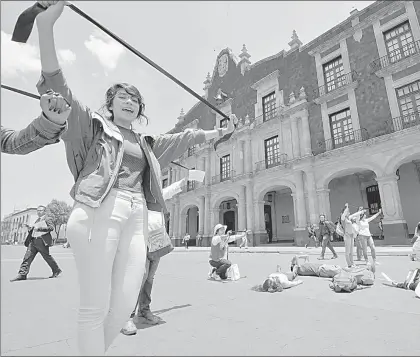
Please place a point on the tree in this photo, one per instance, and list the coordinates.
(58, 212)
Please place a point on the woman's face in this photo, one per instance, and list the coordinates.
(125, 107)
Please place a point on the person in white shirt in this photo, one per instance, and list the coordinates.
(365, 236)
(219, 251)
(186, 240)
(356, 238)
(348, 234)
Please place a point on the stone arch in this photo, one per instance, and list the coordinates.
(223, 197)
(402, 157)
(272, 185)
(334, 172)
(187, 206)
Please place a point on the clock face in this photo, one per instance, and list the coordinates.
(223, 65)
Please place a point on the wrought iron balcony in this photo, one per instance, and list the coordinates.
(335, 84)
(353, 137)
(278, 160)
(227, 176)
(403, 122)
(398, 55)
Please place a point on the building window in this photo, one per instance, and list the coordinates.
(334, 74)
(191, 184)
(271, 148)
(225, 168)
(409, 102)
(269, 106)
(164, 183)
(341, 128)
(373, 198)
(223, 123)
(191, 151)
(399, 42)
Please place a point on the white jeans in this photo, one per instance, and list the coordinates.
(349, 248)
(109, 246)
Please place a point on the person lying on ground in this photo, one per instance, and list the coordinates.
(278, 281)
(411, 282)
(326, 270)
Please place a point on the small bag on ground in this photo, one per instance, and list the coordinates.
(233, 272)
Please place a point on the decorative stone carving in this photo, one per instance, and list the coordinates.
(244, 62)
(247, 120)
(302, 93)
(295, 43)
(292, 98)
(181, 116)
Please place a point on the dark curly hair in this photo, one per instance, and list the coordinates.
(130, 89)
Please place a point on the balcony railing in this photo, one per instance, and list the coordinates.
(408, 50)
(335, 84)
(229, 175)
(402, 122)
(353, 137)
(269, 162)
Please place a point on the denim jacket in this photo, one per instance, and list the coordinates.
(36, 135)
(94, 149)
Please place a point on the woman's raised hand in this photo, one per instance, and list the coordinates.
(53, 12)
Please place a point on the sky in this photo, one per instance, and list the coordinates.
(183, 37)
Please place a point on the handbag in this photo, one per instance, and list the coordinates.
(233, 272)
(158, 242)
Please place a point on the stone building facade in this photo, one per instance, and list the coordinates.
(332, 121)
(13, 229)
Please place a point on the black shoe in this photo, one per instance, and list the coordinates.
(19, 277)
(56, 274)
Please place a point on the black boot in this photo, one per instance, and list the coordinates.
(56, 274)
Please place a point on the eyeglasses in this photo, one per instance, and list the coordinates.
(125, 96)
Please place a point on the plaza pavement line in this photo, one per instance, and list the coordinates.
(380, 251)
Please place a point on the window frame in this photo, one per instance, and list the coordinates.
(223, 123)
(372, 202)
(274, 158)
(411, 114)
(269, 109)
(344, 139)
(225, 172)
(336, 81)
(410, 46)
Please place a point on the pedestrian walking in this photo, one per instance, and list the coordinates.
(199, 240)
(117, 179)
(186, 240)
(415, 255)
(39, 240)
(311, 235)
(325, 233)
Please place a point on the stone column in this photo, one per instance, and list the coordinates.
(241, 161)
(312, 197)
(201, 166)
(295, 138)
(395, 227)
(215, 213)
(176, 221)
(300, 200)
(242, 209)
(260, 234)
(183, 225)
(171, 219)
(306, 135)
(274, 215)
(324, 202)
(250, 209)
(201, 215)
(248, 155)
(208, 168)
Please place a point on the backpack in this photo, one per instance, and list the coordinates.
(368, 278)
(344, 282)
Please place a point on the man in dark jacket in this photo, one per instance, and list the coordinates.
(39, 240)
(324, 235)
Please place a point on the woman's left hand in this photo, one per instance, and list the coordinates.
(231, 123)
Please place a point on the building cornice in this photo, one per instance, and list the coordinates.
(272, 76)
(393, 6)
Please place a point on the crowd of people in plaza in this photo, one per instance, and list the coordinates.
(117, 226)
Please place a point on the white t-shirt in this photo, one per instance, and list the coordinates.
(364, 228)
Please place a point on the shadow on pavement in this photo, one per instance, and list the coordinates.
(159, 312)
(38, 278)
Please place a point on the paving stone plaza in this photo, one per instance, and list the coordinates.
(203, 317)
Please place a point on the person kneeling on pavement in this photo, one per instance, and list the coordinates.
(219, 251)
